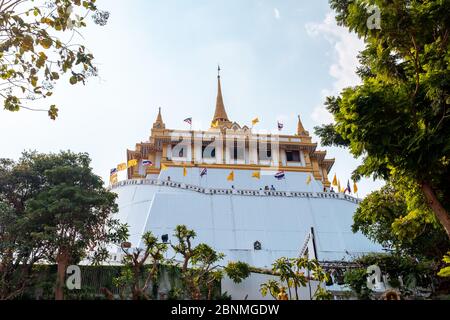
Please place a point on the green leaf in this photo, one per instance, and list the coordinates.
(53, 112)
(73, 80)
(46, 43)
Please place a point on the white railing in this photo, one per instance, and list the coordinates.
(241, 192)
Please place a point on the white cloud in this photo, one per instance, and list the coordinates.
(345, 50)
(276, 13)
(320, 114)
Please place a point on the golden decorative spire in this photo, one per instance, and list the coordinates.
(300, 129)
(159, 123)
(220, 114)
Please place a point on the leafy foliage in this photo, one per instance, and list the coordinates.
(74, 209)
(415, 274)
(17, 256)
(200, 268)
(398, 119)
(199, 272)
(237, 271)
(291, 273)
(62, 214)
(356, 279)
(37, 47)
(445, 272)
(138, 272)
(398, 218)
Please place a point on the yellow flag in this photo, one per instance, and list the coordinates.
(335, 183)
(355, 187)
(256, 174)
(132, 163)
(231, 176)
(184, 171)
(122, 166)
(308, 180)
(339, 186)
(163, 167)
(113, 178)
(255, 121)
(215, 124)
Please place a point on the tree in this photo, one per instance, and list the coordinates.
(399, 219)
(184, 245)
(199, 269)
(398, 119)
(406, 274)
(19, 182)
(291, 273)
(201, 259)
(18, 254)
(205, 270)
(37, 47)
(200, 266)
(136, 275)
(64, 212)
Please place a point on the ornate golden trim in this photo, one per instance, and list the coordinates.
(243, 167)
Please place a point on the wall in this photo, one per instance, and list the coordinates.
(249, 289)
(232, 223)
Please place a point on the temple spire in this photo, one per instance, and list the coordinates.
(300, 129)
(220, 114)
(159, 123)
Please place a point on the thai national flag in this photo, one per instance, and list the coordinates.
(147, 163)
(188, 120)
(280, 175)
(280, 126)
(204, 172)
(348, 187)
(113, 171)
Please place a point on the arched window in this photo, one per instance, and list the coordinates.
(257, 245)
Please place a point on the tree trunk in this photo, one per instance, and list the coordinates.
(210, 290)
(62, 260)
(136, 294)
(439, 211)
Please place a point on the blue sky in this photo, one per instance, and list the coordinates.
(279, 58)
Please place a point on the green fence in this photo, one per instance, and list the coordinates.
(96, 278)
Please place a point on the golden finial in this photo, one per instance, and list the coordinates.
(220, 114)
(159, 123)
(300, 129)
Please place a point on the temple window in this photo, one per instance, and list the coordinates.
(265, 154)
(238, 153)
(293, 156)
(210, 152)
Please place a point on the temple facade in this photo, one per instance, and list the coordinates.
(227, 145)
(255, 197)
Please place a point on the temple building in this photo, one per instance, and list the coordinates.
(235, 147)
(255, 197)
